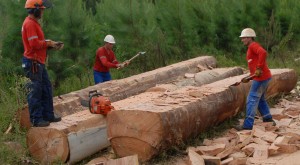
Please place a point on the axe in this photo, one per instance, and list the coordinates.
(138, 54)
(250, 77)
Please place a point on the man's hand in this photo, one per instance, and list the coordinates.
(59, 45)
(126, 63)
(119, 66)
(55, 45)
(258, 72)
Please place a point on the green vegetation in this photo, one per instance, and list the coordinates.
(170, 31)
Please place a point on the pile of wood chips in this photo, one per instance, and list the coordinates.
(264, 144)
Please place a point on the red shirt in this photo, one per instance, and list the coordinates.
(256, 57)
(104, 60)
(35, 46)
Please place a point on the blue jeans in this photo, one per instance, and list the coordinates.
(100, 77)
(39, 97)
(256, 99)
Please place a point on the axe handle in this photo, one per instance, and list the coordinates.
(134, 57)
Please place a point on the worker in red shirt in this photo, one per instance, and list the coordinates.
(39, 97)
(106, 59)
(257, 64)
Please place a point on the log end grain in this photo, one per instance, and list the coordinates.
(134, 132)
(47, 145)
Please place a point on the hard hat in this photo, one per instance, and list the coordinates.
(109, 39)
(42, 4)
(248, 32)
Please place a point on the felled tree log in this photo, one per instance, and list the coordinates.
(123, 88)
(120, 89)
(79, 135)
(148, 123)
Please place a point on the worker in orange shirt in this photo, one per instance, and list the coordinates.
(257, 64)
(106, 59)
(39, 97)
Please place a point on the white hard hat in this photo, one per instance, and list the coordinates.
(248, 32)
(110, 39)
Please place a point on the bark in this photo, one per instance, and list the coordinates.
(148, 123)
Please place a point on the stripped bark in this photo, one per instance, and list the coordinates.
(146, 124)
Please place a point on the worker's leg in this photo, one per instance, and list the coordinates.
(47, 97)
(263, 105)
(98, 77)
(253, 98)
(34, 89)
(106, 76)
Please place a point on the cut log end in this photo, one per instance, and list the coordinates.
(47, 145)
(126, 146)
(128, 133)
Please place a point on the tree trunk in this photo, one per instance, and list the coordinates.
(148, 123)
(120, 89)
(82, 133)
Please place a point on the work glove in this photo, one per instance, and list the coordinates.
(258, 72)
(245, 79)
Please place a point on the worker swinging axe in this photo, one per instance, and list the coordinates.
(128, 61)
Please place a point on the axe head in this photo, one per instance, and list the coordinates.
(141, 53)
(235, 84)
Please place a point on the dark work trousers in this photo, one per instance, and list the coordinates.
(39, 97)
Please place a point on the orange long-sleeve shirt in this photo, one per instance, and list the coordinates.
(256, 57)
(105, 59)
(35, 46)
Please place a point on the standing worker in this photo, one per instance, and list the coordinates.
(40, 99)
(106, 59)
(256, 57)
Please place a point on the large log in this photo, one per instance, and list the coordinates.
(68, 104)
(77, 136)
(148, 123)
(123, 88)
(81, 134)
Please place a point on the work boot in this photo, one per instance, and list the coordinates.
(240, 128)
(54, 119)
(41, 123)
(270, 120)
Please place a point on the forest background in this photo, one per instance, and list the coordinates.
(169, 31)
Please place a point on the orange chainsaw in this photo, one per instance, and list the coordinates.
(98, 104)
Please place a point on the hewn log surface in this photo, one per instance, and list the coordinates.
(68, 104)
(123, 88)
(147, 123)
(85, 133)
